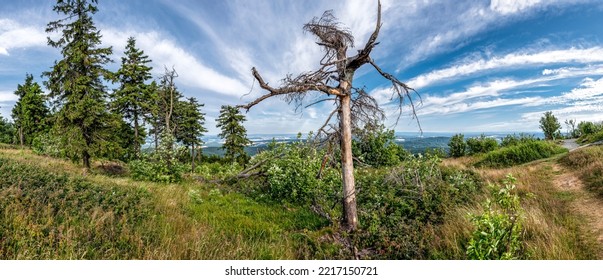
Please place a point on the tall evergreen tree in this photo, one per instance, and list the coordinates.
(30, 112)
(76, 81)
(233, 133)
(190, 127)
(130, 100)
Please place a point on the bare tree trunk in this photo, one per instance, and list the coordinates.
(136, 143)
(193, 158)
(21, 135)
(347, 166)
(86, 159)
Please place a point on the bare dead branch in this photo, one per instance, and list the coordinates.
(364, 55)
(294, 89)
(402, 91)
(320, 101)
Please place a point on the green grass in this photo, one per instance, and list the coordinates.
(51, 211)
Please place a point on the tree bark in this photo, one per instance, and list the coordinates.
(193, 158)
(21, 135)
(136, 143)
(86, 159)
(347, 165)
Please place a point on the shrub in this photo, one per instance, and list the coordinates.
(218, 170)
(291, 171)
(150, 168)
(457, 145)
(376, 146)
(514, 139)
(519, 154)
(399, 208)
(481, 145)
(497, 234)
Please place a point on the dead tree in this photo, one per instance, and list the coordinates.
(333, 82)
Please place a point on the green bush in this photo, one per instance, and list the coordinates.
(399, 208)
(149, 168)
(376, 146)
(218, 170)
(521, 153)
(514, 139)
(457, 145)
(481, 145)
(497, 234)
(291, 174)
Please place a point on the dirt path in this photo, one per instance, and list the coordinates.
(570, 144)
(586, 203)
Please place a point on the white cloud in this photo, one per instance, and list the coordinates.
(14, 35)
(6, 96)
(164, 52)
(573, 55)
(512, 6)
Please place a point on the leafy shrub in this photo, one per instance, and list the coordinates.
(149, 168)
(376, 146)
(497, 234)
(399, 208)
(514, 139)
(457, 145)
(481, 145)
(291, 171)
(218, 170)
(519, 154)
(48, 145)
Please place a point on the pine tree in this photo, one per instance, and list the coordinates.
(233, 133)
(30, 112)
(75, 81)
(190, 126)
(130, 100)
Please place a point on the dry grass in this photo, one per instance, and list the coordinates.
(552, 229)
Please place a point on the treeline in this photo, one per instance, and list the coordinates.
(82, 118)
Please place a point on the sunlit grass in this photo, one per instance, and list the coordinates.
(184, 221)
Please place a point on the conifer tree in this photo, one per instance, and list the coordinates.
(190, 127)
(130, 100)
(76, 81)
(30, 112)
(233, 133)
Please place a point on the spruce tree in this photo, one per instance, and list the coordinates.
(30, 113)
(190, 127)
(130, 100)
(234, 134)
(76, 81)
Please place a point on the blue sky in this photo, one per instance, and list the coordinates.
(477, 65)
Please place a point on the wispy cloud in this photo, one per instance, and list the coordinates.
(6, 96)
(164, 52)
(512, 6)
(15, 35)
(572, 55)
